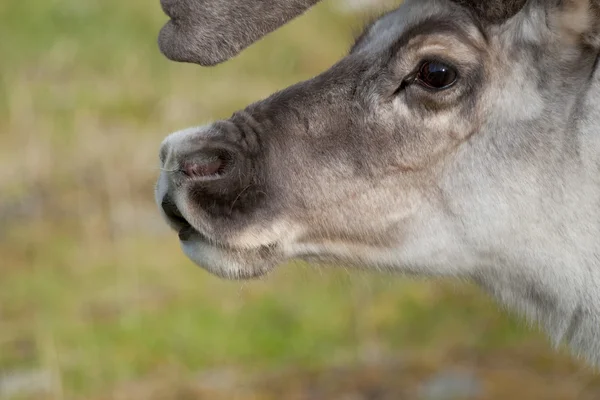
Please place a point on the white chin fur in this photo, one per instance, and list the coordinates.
(222, 262)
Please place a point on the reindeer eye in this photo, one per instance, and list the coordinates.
(436, 75)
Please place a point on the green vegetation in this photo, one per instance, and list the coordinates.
(93, 287)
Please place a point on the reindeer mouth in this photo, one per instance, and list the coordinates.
(221, 259)
(176, 219)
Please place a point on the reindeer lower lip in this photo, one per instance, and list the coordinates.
(186, 233)
(190, 234)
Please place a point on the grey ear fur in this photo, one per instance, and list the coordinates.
(208, 32)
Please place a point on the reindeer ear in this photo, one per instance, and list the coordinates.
(493, 11)
(208, 32)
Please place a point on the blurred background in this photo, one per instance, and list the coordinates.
(98, 302)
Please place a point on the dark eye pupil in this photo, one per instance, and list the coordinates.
(437, 75)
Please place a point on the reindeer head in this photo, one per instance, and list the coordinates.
(425, 149)
(455, 138)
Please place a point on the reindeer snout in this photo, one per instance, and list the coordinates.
(205, 176)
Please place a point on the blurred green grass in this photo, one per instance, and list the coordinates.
(94, 288)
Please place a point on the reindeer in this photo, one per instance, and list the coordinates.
(457, 138)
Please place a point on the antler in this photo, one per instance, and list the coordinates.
(208, 32)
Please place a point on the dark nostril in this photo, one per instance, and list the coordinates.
(201, 169)
(206, 164)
